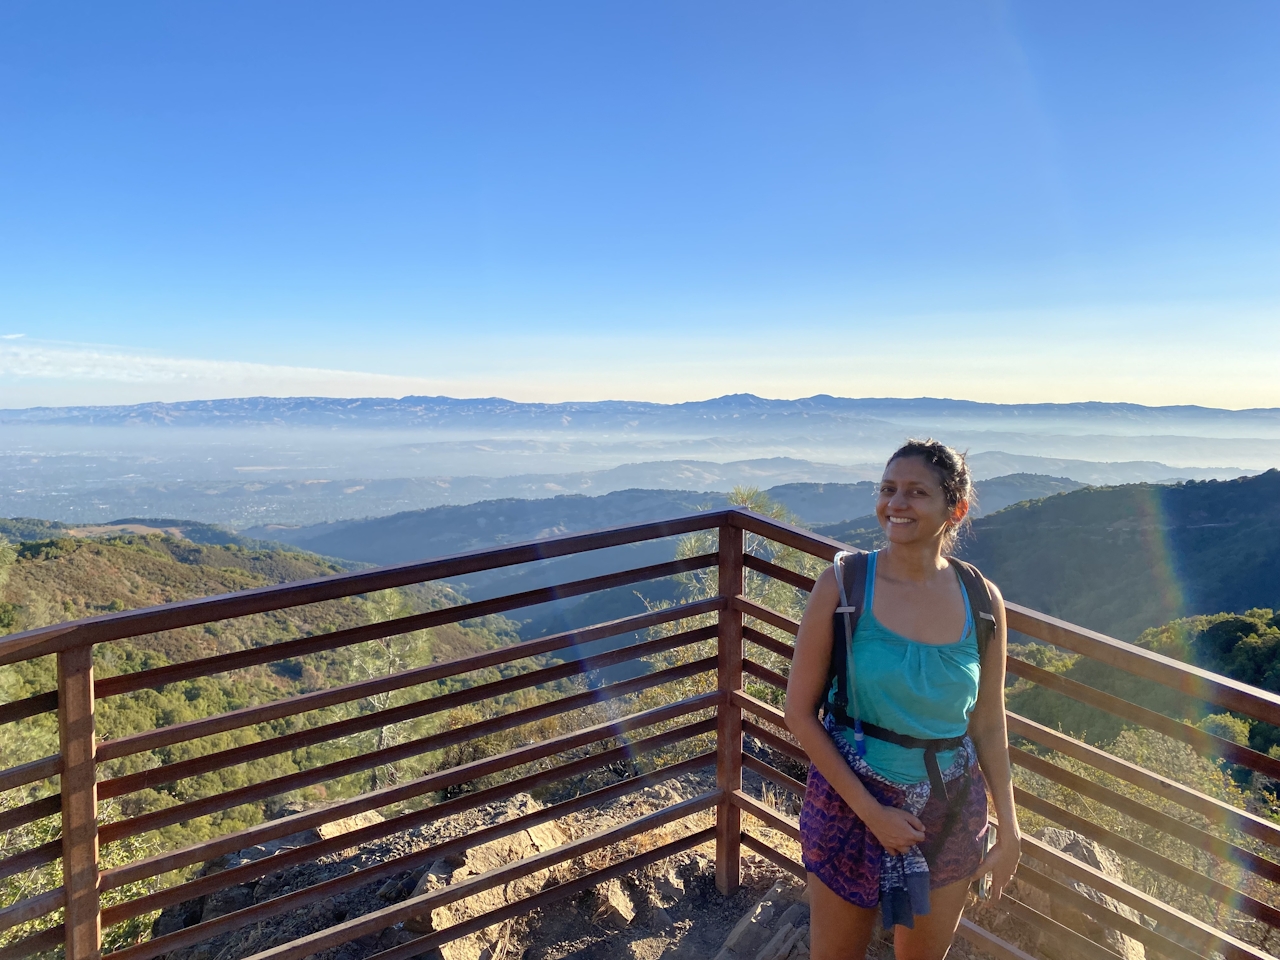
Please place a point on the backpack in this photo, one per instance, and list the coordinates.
(851, 575)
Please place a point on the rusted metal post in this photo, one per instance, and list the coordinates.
(729, 722)
(83, 921)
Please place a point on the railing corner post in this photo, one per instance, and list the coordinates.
(78, 745)
(729, 718)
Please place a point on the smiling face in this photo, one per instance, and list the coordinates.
(912, 506)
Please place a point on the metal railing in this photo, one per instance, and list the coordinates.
(690, 711)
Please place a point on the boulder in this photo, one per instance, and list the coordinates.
(325, 831)
(227, 900)
(669, 887)
(779, 946)
(1104, 861)
(757, 929)
(477, 860)
(613, 906)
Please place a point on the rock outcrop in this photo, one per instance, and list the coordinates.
(479, 860)
(1072, 916)
(775, 928)
(669, 909)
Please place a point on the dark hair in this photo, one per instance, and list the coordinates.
(953, 475)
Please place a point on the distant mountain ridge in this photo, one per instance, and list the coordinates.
(482, 413)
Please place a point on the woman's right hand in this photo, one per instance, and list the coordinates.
(897, 830)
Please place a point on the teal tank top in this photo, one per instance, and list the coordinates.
(919, 689)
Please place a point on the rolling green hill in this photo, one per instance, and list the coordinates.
(29, 528)
(63, 578)
(415, 534)
(1123, 559)
(1244, 646)
(57, 580)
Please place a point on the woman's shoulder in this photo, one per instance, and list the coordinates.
(826, 590)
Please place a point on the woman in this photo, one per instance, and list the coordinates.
(875, 831)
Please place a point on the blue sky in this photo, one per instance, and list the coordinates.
(997, 201)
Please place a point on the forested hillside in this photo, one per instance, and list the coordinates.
(27, 528)
(416, 534)
(56, 580)
(1244, 646)
(53, 581)
(1123, 559)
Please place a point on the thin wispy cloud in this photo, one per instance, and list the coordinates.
(31, 362)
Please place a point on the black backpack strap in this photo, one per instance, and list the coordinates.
(931, 748)
(851, 576)
(980, 602)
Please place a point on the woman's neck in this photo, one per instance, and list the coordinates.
(914, 562)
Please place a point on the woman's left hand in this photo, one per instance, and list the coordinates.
(1001, 861)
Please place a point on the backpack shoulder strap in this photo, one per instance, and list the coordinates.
(851, 576)
(980, 602)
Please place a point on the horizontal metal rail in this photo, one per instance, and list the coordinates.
(441, 780)
(785, 533)
(765, 711)
(766, 814)
(1061, 894)
(18, 863)
(111, 832)
(248, 716)
(777, 572)
(774, 741)
(1064, 938)
(257, 869)
(773, 855)
(773, 645)
(1211, 807)
(172, 772)
(1193, 836)
(773, 775)
(33, 772)
(30, 812)
(35, 944)
(760, 612)
(379, 920)
(761, 672)
(1191, 879)
(988, 942)
(189, 613)
(328, 888)
(32, 908)
(28, 707)
(546, 898)
(1206, 937)
(302, 646)
(1205, 744)
(593, 748)
(1187, 679)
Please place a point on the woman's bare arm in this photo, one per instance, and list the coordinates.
(896, 829)
(990, 735)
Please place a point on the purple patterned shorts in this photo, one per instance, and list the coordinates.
(841, 852)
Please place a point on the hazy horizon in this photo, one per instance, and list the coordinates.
(263, 460)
